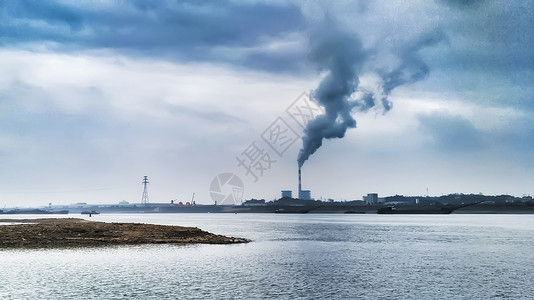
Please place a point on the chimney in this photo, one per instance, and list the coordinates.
(300, 185)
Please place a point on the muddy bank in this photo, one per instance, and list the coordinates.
(71, 232)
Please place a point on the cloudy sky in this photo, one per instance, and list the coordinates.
(94, 95)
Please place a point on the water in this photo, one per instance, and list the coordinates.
(293, 257)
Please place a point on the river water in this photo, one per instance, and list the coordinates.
(309, 256)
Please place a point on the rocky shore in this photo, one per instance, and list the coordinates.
(72, 232)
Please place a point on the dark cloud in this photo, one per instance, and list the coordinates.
(182, 30)
(463, 3)
(47, 11)
(452, 133)
(496, 37)
(489, 53)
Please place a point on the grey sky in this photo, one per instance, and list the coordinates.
(96, 94)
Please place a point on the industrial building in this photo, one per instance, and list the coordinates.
(287, 194)
(305, 195)
(371, 198)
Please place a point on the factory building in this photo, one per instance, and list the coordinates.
(287, 194)
(371, 198)
(305, 195)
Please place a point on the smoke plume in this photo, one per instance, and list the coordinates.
(412, 68)
(342, 57)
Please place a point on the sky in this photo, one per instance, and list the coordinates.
(404, 97)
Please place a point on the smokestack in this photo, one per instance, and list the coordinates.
(300, 184)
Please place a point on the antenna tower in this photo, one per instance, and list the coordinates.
(144, 200)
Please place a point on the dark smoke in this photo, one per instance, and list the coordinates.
(342, 57)
(412, 67)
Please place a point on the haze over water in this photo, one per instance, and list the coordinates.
(293, 257)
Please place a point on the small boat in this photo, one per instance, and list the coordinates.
(90, 213)
(413, 210)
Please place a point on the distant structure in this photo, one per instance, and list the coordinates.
(287, 194)
(300, 183)
(371, 198)
(144, 200)
(254, 202)
(303, 194)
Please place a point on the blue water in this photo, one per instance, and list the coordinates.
(293, 257)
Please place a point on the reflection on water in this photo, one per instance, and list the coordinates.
(293, 257)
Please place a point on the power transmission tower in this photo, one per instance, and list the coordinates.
(144, 200)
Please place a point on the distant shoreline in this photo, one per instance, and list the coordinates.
(312, 207)
(500, 204)
(74, 232)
